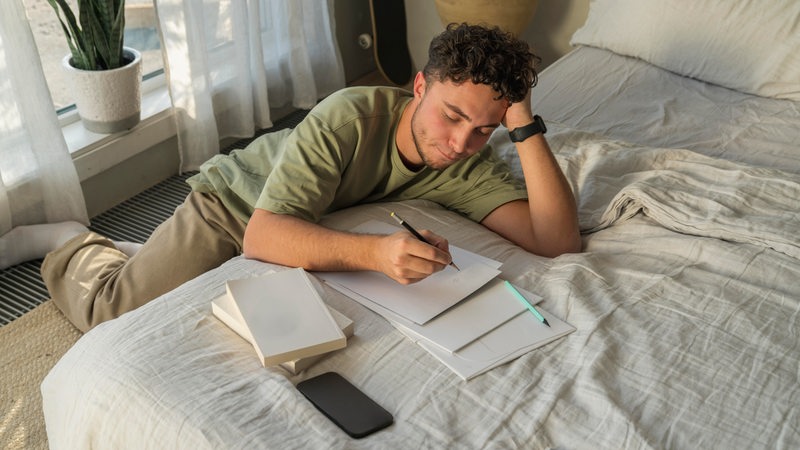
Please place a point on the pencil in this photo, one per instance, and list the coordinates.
(525, 302)
(416, 234)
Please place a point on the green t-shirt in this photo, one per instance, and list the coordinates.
(343, 154)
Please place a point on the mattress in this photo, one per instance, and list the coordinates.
(685, 302)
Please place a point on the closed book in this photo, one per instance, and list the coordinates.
(296, 366)
(285, 316)
(225, 310)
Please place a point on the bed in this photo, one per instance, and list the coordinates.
(682, 144)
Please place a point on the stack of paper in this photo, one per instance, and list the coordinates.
(469, 319)
(283, 317)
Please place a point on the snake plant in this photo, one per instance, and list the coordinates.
(95, 37)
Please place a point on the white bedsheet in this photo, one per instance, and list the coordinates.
(685, 339)
(595, 90)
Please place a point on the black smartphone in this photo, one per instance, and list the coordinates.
(345, 405)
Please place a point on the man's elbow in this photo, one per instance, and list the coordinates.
(557, 247)
(250, 249)
(256, 243)
(573, 245)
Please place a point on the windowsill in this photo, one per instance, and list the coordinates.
(94, 153)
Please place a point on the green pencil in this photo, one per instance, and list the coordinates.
(525, 302)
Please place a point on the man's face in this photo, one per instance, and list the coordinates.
(453, 121)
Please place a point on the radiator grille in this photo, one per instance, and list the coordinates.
(21, 286)
(135, 219)
(21, 290)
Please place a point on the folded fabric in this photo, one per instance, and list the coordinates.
(681, 190)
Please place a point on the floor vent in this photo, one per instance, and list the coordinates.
(135, 219)
(21, 290)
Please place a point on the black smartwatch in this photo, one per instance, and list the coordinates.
(522, 133)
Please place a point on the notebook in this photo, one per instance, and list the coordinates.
(284, 316)
(225, 310)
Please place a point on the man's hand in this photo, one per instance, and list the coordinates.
(519, 114)
(406, 259)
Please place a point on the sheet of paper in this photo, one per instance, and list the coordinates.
(513, 339)
(506, 342)
(460, 256)
(489, 307)
(419, 302)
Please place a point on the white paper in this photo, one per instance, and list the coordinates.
(419, 302)
(422, 301)
(513, 339)
(491, 306)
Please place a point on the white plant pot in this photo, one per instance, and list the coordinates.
(108, 101)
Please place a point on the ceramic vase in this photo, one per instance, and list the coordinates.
(108, 101)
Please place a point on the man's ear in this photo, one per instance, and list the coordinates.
(419, 85)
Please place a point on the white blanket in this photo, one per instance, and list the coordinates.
(683, 191)
(680, 189)
(684, 340)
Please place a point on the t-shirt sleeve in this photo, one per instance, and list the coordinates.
(305, 179)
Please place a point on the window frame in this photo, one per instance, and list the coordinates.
(94, 153)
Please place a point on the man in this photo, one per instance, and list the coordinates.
(359, 145)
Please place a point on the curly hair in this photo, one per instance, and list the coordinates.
(482, 55)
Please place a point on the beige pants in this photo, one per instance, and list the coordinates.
(91, 281)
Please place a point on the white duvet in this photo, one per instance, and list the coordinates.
(685, 300)
(683, 191)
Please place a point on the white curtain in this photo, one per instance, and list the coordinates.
(229, 61)
(38, 181)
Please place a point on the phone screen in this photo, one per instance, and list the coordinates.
(345, 405)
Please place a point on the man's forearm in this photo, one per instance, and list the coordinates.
(552, 205)
(287, 240)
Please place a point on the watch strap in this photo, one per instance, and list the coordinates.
(522, 133)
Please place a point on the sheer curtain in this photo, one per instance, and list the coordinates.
(38, 181)
(229, 61)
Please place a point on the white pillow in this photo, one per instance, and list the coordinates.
(751, 46)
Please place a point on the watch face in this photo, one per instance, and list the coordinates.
(541, 124)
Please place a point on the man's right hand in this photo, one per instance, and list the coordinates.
(406, 259)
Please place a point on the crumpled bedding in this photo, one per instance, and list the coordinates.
(682, 190)
(685, 300)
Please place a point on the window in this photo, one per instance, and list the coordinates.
(140, 33)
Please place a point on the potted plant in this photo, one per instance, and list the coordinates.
(105, 75)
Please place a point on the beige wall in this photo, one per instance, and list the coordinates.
(548, 33)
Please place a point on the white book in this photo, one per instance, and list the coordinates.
(285, 316)
(225, 310)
